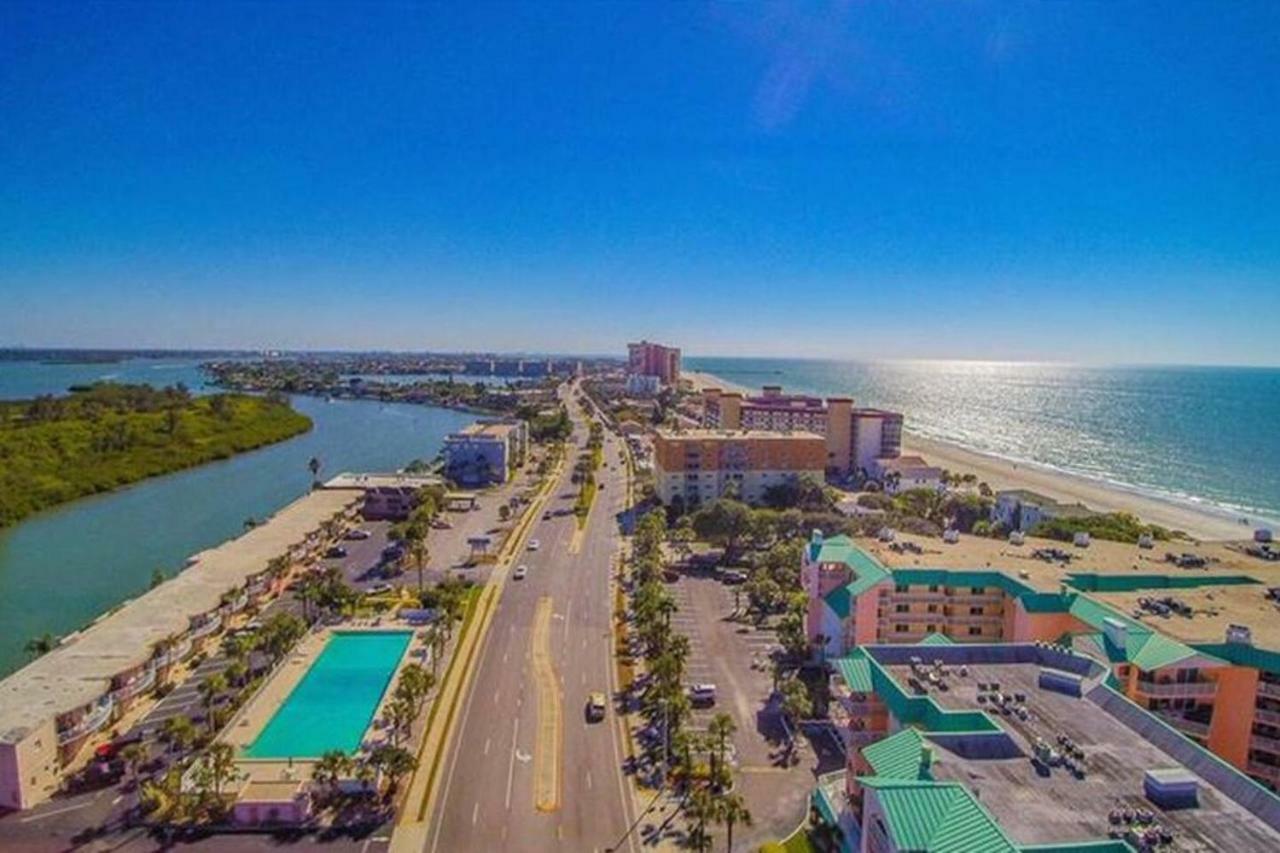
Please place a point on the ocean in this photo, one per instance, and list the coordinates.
(1207, 436)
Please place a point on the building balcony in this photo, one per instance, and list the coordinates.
(976, 598)
(176, 653)
(1269, 689)
(205, 628)
(1267, 744)
(1262, 715)
(1186, 725)
(1268, 771)
(138, 686)
(910, 597)
(1176, 688)
(89, 723)
(975, 618)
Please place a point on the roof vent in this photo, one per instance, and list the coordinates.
(1116, 631)
(1239, 634)
(816, 536)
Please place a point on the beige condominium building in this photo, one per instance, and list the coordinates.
(699, 465)
(856, 438)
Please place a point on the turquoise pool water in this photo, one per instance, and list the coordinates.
(333, 704)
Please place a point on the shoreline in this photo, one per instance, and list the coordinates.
(1204, 522)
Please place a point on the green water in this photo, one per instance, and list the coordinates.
(61, 569)
(334, 703)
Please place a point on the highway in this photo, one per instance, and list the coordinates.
(525, 769)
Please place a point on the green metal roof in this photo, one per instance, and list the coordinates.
(867, 571)
(905, 755)
(856, 672)
(962, 577)
(1105, 845)
(840, 601)
(938, 817)
(1095, 582)
(1241, 654)
(1157, 650)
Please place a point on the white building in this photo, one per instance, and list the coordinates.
(1021, 509)
(906, 472)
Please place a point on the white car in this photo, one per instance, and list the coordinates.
(702, 694)
(534, 544)
(520, 572)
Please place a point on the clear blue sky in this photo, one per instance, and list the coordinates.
(1065, 181)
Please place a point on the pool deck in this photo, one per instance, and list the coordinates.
(249, 722)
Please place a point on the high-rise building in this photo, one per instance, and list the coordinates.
(699, 465)
(649, 359)
(856, 437)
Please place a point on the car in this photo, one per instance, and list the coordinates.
(596, 706)
(520, 572)
(441, 524)
(534, 544)
(335, 552)
(380, 588)
(546, 516)
(702, 694)
(392, 552)
(357, 535)
(734, 578)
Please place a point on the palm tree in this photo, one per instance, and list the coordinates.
(418, 552)
(393, 761)
(220, 758)
(41, 645)
(179, 731)
(720, 729)
(400, 714)
(133, 755)
(331, 768)
(795, 704)
(209, 690)
(701, 807)
(731, 809)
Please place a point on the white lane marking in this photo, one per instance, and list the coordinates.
(504, 656)
(486, 746)
(475, 812)
(511, 768)
(589, 785)
(116, 800)
(496, 693)
(85, 804)
(568, 615)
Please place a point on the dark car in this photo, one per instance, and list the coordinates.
(336, 551)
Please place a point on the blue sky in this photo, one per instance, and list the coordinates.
(1063, 181)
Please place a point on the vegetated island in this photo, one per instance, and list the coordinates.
(107, 435)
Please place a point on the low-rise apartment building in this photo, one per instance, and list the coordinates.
(694, 466)
(53, 709)
(1216, 687)
(1022, 509)
(901, 473)
(650, 359)
(855, 437)
(486, 451)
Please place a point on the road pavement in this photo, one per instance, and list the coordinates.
(489, 794)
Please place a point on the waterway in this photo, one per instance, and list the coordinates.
(61, 569)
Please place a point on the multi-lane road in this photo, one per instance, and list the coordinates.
(526, 769)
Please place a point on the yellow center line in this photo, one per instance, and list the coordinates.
(547, 752)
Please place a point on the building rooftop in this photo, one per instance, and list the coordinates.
(1213, 610)
(990, 754)
(977, 552)
(80, 670)
(713, 434)
(395, 479)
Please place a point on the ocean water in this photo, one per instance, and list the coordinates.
(61, 568)
(1201, 435)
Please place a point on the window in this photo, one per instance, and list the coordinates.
(902, 587)
(900, 629)
(975, 611)
(933, 608)
(975, 631)
(933, 587)
(931, 628)
(902, 608)
(978, 590)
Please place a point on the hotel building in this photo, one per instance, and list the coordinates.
(648, 359)
(486, 451)
(700, 465)
(1202, 675)
(857, 439)
(1020, 747)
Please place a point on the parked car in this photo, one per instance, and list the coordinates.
(702, 694)
(520, 572)
(392, 552)
(380, 588)
(534, 544)
(358, 534)
(734, 578)
(335, 552)
(596, 706)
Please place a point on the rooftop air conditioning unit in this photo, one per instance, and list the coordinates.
(1240, 634)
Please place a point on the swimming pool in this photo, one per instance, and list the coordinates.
(333, 704)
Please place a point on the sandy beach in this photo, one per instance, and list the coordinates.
(1199, 522)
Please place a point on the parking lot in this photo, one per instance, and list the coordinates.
(735, 656)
